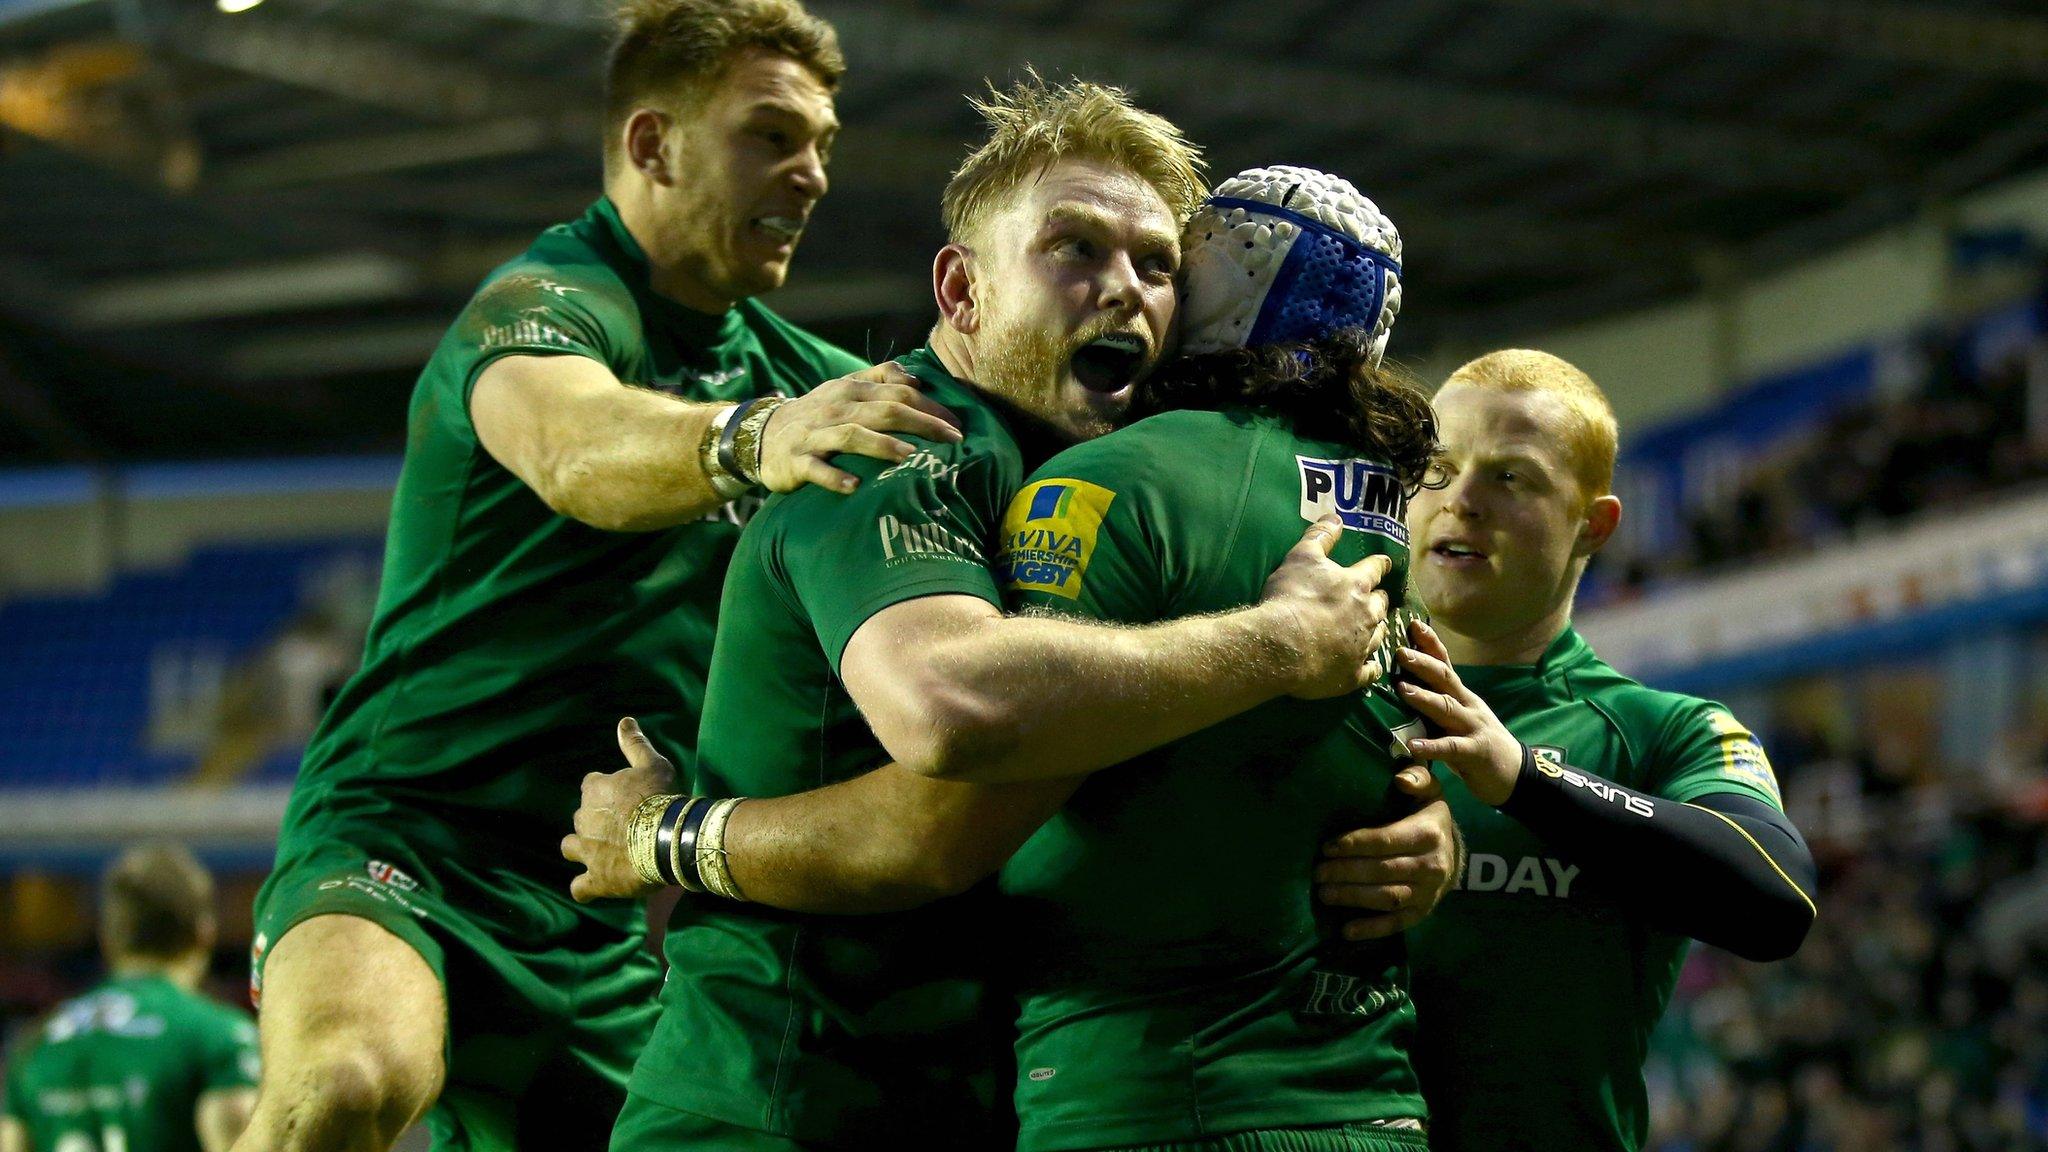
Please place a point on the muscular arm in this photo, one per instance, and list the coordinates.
(626, 459)
(1726, 868)
(618, 458)
(221, 1115)
(884, 841)
(956, 690)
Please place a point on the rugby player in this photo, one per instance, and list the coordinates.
(1213, 1012)
(144, 1062)
(867, 629)
(1231, 933)
(558, 538)
(1607, 822)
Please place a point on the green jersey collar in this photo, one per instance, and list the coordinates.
(688, 324)
(949, 389)
(1497, 682)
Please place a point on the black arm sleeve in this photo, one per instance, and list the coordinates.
(1725, 869)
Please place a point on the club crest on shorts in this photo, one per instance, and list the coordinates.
(257, 948)
(1365, 494)
(389, 874)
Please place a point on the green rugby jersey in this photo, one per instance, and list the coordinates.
(122, 1068)
(860, 1030)
(1537, 994)
(1175, 979)
(507, 639)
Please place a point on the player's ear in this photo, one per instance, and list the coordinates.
(953, 277)
(645, 136)
(1603, 516)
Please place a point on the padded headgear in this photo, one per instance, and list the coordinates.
(1287, 254)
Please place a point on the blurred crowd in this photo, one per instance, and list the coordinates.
(1916, 1016)
(1946, 432)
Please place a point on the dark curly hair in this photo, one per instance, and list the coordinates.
(1329, 388)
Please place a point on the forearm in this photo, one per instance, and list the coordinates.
(615, 457)
(1045, 696)
(1724, 870)
(629, 462)
(881, 842)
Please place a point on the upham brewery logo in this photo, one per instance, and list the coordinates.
(904, 541)
(1365, 494)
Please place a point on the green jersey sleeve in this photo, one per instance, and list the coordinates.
(1072, 544)
(232, 1057)
(1705, 749)
(920, 528)
(541, 311)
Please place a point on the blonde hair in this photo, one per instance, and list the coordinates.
(677, 49)
(1591, 435)
(1033, 125)
(156, 900)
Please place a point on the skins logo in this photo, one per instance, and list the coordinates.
(1365, 494)
(1550, 762)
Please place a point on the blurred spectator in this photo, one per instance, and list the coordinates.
(1916, 1016)
(1957, 433)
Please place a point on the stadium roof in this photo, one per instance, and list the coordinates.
(231, 233)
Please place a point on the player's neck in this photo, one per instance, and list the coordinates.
(668, 273)
(184, 971)
(1524, 644)
(955, 352)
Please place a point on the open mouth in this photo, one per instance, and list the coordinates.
(1454, 551)
(782, 228)
(1109, 364)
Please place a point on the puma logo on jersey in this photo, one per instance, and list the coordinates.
(1365, 494)
(1537, 875)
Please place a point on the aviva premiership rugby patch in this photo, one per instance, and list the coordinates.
(1365, 494)
(1049, 536)
(1742, 758)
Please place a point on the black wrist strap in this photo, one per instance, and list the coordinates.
(665, 838)
(687, 873)
(728, 454)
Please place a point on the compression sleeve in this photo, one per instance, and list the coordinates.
(1723, 868)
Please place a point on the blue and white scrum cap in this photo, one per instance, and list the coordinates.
(1286, 254)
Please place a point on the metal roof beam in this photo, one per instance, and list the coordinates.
(1963, 40)
(359, 348)
(360, 68)
(1429, 113)
(969, 48)
(385, 153)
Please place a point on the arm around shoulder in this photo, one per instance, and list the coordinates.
(614, 457)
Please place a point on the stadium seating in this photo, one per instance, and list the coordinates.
(76, 672)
